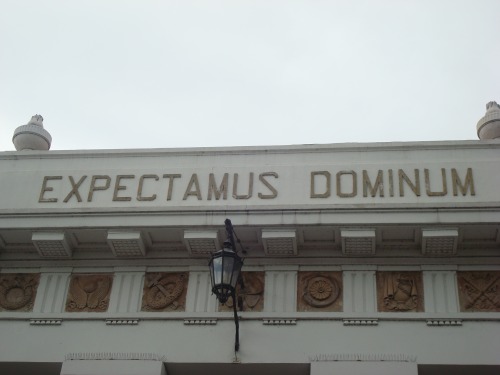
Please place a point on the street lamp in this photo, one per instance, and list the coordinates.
(225, 266)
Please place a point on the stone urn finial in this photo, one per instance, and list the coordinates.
(489, 126)
(32, 136)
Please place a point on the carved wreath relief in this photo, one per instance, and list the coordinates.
(164, 291)
(400, 292)
(479, 291)
(251, 295)
(89, 293)
(319, 291)
(18, 291)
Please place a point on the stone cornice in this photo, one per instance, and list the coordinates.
(254, 150)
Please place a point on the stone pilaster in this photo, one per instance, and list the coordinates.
(127, 290)
(359, 291)
(281, 289)
(199, 296)
(52, 290)
(440, 291)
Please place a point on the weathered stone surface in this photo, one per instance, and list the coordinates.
(400, 291)
(18, 291)
(89, 293)
(165, 291)
(479, 291)
(319, 291)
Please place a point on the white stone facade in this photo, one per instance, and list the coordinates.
(375, 258)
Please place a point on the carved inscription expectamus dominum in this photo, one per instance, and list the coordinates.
(18, 291)
(165, 291)
(400, 292)
(479, 291)
(319, 291)
(250, 295)
(89, 293)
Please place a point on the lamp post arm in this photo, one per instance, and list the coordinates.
(237, 324)
(229, 232)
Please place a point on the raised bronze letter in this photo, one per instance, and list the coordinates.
(46, 188)
(74, 189)
(268, 185)
(391, 183)
(212, 187)
(141, 183)
(96, 188)
(235, 187)
(171, 178)
(414, 187)
(457, 183)
(354, 184)
(121, 187)
(327, 192)
(428, 184)
(189, 190)
(367, 184)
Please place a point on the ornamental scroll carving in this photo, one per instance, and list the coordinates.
(165, 291)
(319, 291)
(400, 292)
(251, 295)
(479, 291)
(89, 293)
(18, 291)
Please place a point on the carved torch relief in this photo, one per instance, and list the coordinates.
(319, 291)
(18, 291)
(165, 291)
(89, 293)
(400, 292)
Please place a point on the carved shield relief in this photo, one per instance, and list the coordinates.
(479, 291)
(89, 293)
(165, 291)
(400, 291)
(250, 295)
(319, 291)
(18, 291)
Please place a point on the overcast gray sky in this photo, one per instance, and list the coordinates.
(147, 74)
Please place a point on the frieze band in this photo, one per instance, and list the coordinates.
(317, 291)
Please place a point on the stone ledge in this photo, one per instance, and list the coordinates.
(114, 356)
(362, 357)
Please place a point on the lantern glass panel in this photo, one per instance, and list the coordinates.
(216, 270)
(228, 269)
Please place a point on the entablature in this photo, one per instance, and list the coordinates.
(261, 244)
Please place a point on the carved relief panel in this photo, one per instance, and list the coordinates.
(250, 295)
(400, 292)
(479, 291)
(165, 291)
(18, 291)
(89, 293)
(319, 291)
